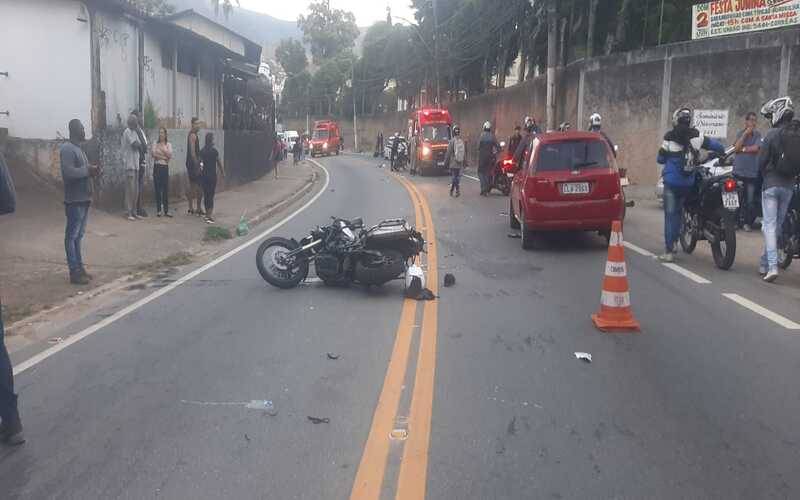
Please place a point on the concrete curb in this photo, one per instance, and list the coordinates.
(269, 211)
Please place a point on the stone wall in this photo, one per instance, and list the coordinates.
(635, 92)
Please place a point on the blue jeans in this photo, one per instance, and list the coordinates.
(455, 184)
(77, 213)
(748, 210)
(674, 198)
(8, 400)
(774, 204)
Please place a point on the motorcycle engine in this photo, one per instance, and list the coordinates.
(329, 268)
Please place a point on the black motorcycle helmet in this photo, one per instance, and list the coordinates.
(530, 124)
(683, 116)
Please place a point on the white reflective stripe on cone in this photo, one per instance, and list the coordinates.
(615, 299)
(616, 239)
(616, 269)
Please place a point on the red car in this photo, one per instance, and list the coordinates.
(569, 183)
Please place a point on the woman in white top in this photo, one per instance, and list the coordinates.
(162, 154)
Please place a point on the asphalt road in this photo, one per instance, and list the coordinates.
(702, 404)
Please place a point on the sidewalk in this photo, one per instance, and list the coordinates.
(33, 271)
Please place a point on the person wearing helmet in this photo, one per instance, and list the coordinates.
(488, 148)
(779, 164)
(513, 141)
(456, 160)
(679, 154)
(531, 130)
(595, 125)
(393, 155)
(564, 127)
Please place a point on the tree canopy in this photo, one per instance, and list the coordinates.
(329, 32)
(291, 55)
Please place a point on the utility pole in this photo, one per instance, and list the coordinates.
(355, 118)
(661, 22)
(551, 64)
(436, 54)
(592, 22)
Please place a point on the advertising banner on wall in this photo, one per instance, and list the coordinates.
(711, 122)
(728, 17)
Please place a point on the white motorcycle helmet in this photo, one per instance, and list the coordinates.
(682, 115)
(415, 278)
(487, 126)
(776, 109)
(595, 121)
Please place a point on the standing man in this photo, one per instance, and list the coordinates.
(194, 192)
(678, 154)
(779, 164)
(455, 160)
(130, 147)
(76, 172)
(395, 145)
(143, 148)
(513, 141)
(596, 125)
(277, 154)
(487, 151)
(524, 148)
(10, 423)
(745, 167)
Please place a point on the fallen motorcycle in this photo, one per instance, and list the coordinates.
(343, 252)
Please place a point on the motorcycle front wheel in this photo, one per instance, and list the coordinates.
(724, 248)
(276, 268)
(688, 234)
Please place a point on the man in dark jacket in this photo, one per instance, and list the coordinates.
(522, 151)
(487, 156)
(10, 423)
(513, 141)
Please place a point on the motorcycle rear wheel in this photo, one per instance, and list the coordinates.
(276, 272)
(688, 236)
(724, 249)
(786, 244)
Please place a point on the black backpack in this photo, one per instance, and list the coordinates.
(788, 162)
(8, 196)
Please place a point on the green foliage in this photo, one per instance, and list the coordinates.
(291, 55)
(150, 114)
(329, 32)
(217, 233)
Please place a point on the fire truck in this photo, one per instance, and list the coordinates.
(430, 130)
(326, 139)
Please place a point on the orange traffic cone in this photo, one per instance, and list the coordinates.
(615, 300)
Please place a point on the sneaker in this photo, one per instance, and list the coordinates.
(167, 214)
(762, 271)
(11, 433)
(158, 214)
(131, 217)
(190, 212)
(88, 276)
(137, 217)
(210, 220)
(78, 279)
(771, 276)
(458, 193)
(747, 228)
(667, 257)
(142, 214)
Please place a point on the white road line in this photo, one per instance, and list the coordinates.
(38, 358)
(777, 318)
(687, 273)
(639, 250)
(470, 177)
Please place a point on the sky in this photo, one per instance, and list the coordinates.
(366, 11)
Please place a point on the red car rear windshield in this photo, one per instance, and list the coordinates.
(572, 155)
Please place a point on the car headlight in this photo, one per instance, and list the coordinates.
(325, 146)
(426, 151)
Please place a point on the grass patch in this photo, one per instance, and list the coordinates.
(216, 233)
(174, 260)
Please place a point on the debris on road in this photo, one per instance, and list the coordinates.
(246, 437)
(265, 405)
(55, 340)
(333, 356)
(243, 229)
(514, 235)
(584, 356)
(449, 280)
(398, 434)
(317, 420)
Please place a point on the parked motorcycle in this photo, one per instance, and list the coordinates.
(343, 252)
(503, 175)
(710, 213)
(789, 237)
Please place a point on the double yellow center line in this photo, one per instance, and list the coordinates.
(412, 478)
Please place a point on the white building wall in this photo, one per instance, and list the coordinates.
(119, 67)
(46, 52)
(157, 78)
(208, 29)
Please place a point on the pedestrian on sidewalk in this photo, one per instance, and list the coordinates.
(211, 162)
(77, 174)
(143, 149)
(679, 154)
(487, 153)
(194, 192)
(297, 151)
(455, 160)
(162, 154)
(10, 423)
(779, 164)
(745, 167)
(277, 155)
(130, 159)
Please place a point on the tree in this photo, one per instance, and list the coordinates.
(152, 7)
(329, 32)
(227, 6)
(291, 55)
